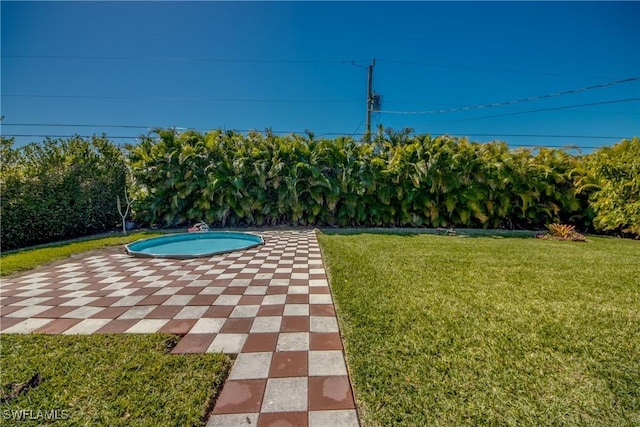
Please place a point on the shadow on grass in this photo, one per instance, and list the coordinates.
(450, 232)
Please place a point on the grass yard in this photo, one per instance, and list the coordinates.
(448, 331)
(107, 380)
(26, 259)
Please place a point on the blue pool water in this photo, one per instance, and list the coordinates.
(192, 245)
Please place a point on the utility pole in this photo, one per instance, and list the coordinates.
(370, 97)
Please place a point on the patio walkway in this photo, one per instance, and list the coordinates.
(270, 305)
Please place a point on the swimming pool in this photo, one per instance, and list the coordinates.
(193, 245)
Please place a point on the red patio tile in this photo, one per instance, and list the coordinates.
(321, 310)
(295, 324)
(110, 313)
(190, 290)
(289, 364)
(164, 312)
(251, 300)
(55, 312)
(297, 299)
(234, 290)
(271, 310)
(203, 300)
(277, 290)
(104, 301)
(218, 311)
(325, 341)
(239, 397)
(283, 419)
(7, 322)
(154, 299)
(260, 342)
(237, 326)
(143, 291)
(178, 326)
(193, 343)
(57, 326)
(330, 393)
(319, 290)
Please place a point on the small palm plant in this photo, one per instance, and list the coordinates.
(562, 232)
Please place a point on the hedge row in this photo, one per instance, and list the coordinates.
(67, 188)
(59, 189)
(227, 178)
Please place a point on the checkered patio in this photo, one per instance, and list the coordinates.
(271, 305)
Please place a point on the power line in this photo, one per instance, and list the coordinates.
(287, 61)
(519, 135)
(517, 101)
(164, 98)
(565, 107)
(501, 70)
(186, 59)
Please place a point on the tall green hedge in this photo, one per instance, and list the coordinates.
(59, 189)
(227, 178)
(67, 188)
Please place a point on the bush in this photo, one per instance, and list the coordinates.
(59, 189)
(611, 179)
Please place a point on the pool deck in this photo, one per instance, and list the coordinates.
(271, 305)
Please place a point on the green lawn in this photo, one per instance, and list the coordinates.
(448, 331)
(107, 380)
(29, 258)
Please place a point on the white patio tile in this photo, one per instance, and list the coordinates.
(274, 299)
(244, 311)
(137, 312)
(335, 418)
(235, 420)
(208, 326)
(26, 326)
(285, 395)
(127, 301)
(29, 311)
(191, 312)
(227, 343)
(320, 299)
(227, 300)
(178, 300)
(82, 312)
(251, 366)
(323, 324)
(296, 309)
(293, 341)
(87, 326)
(327, 363)
(147, 326)
(266, 324)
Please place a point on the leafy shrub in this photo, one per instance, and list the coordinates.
(611, 180)
(59, 189)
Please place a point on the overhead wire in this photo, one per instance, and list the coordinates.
(517, 101)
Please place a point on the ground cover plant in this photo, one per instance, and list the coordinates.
(451, 330)
(32, 257)
(106, 380)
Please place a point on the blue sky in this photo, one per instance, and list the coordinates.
(291, 66)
